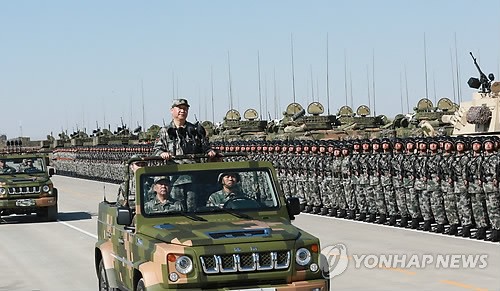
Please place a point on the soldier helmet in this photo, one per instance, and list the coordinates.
(233, 174)
(161, 178)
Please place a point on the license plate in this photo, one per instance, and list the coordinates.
(25, 202)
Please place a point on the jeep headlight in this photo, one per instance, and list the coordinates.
(184, 264)
(45, 188)
(2, 191)
(303, 256)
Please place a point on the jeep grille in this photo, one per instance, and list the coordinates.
(24, 190)
(247, 262)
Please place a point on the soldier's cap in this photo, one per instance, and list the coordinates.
(161, 178)
(179, 102)
(233, 174)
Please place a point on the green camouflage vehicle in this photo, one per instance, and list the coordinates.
(244, 243)
(25, 186)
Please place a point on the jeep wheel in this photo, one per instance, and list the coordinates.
(103, 279)
(140, 285)
(48, 213)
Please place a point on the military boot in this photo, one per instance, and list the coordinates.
(440, 228)
(466, 230)
(414, 223)
(324, 211)
(404, 221)
(332, 212)
(382, 219)
(309, 209)
(453, 229)
(427, 225)
(316, 209)
(351, 214)
(481, 233)
(362, 216)
(372, 217)
(302, 207)
(392, 220)
(495, 235)
(341, 213)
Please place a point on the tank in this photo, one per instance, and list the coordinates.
(481, 115)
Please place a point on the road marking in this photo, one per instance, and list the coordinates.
(78, 229)
(464, 286)
(398, 270)
(404, 229)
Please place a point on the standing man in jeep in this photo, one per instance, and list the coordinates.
(180, 136)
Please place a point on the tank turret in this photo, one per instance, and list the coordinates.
(481, 115)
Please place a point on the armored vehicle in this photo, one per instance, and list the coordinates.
(481, 115)
(25, 186)
(198, 241)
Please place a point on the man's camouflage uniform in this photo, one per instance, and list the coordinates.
(434, 178)
(476, 192)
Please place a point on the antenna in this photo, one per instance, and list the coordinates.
(293, 69)
(368, 86)
(345, 77)
(212, 84)
(275, 95)
(457, 71)
(327, 81)
(230, 82)
(373, 81)
(143, 114)
(425, 69)
(260, 93)
(407, 98)
(453, 77)
(401, 90)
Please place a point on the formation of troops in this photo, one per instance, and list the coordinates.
(447, 185)
(444, 184)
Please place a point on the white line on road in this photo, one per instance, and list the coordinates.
(78, 229)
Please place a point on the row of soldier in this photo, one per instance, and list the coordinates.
(450, 182)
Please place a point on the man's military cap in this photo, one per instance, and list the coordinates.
(179, 102)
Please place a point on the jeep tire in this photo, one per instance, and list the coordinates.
(140, 285)
(48, 213)
(103, 278)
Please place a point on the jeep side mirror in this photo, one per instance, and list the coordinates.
(51, 172)
(124, 216)
(293, 205)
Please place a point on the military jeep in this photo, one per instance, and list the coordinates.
(244, 242)
(25, 186)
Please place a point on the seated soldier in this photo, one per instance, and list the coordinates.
(6, 169)
(29, 167)
(162, 202)
(230, 190)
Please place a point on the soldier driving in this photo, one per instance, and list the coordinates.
(230, 189)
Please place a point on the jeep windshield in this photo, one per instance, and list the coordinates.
(214, 191)
(28, 165)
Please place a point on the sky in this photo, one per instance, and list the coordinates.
(67, 65)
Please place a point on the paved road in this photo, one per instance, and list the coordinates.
(59, 255)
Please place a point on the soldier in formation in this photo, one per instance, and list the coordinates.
(442, 184)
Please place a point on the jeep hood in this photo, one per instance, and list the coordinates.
(221, 232)
(22, 178)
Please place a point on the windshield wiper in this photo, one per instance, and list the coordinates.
(188, 215)
(235, 213)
